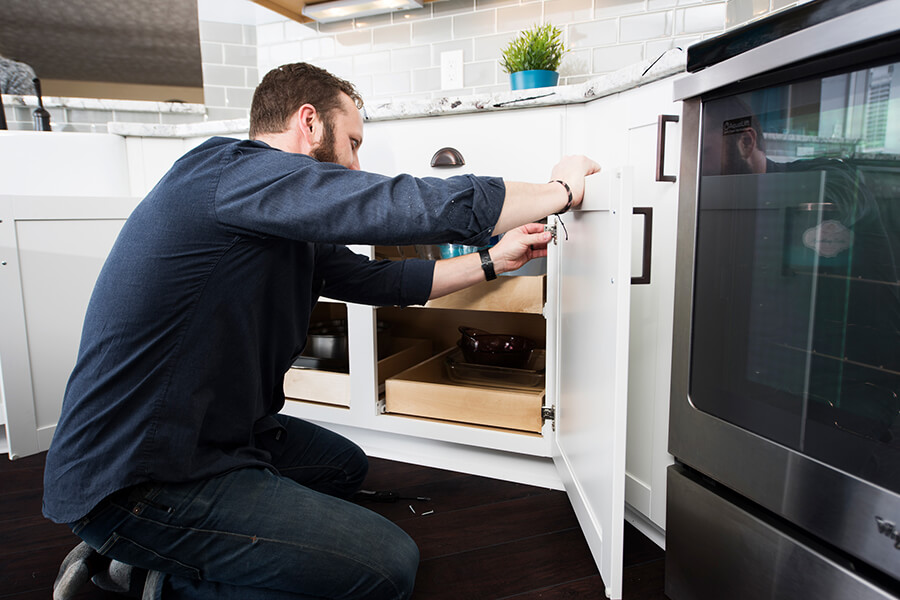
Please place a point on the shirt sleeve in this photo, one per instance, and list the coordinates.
(264, 191)
(351, 277)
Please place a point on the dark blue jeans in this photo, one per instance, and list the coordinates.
(252, 534)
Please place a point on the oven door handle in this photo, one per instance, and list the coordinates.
(647, 211)
(661, 122)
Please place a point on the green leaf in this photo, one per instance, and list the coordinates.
(540, 47)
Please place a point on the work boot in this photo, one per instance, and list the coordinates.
(120, 578)
(77, 567)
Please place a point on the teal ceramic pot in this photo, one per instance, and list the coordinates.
(523, 80)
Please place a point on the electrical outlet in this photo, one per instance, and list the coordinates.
(452, 70)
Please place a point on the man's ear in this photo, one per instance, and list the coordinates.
(747, 143)
(307, 119)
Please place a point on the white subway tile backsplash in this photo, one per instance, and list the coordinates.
(356, 42)
(656, 47)
(615, 57)
(595, 33)
(179, 118)
(698, 19)
(391, 84)
(575, 80)
(212, 53)
(490, 47)
(738, 13)
(327, 47)
(294, 30)
(479, 73)
(249, 35)
(216, 113)
(133, 116)
(397, 55)
(444, 8)
(77, 115)
(492, 89)
(371, 62)
(373, 21)
(285, 53)
(393, 36)
(230, 33)
(518, 18)
(238, 97)
(577, 62)
(409, 59)
(464, 45)
(567, 11)
(363, 85)
(426, 80)
(613, 8)
(340, 66)
(252, 77)
(474, 24)
(270, 33)
(223, 75)
(240, 55)
(310, 49)
(485, 4)
(214, 95)
(645, 27)
(436, 30)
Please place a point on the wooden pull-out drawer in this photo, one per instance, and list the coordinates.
(425, 390)
(330, 387)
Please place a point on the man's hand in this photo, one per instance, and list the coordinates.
(573, 170)
(514, 249)
(529, 202)
(518, 246)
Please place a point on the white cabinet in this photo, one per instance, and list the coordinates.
(51, 252)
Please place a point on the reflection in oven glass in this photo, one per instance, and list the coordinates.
(797, 286)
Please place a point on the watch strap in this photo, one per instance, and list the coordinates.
(487, 265)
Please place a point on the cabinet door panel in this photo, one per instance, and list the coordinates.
(52, 250)
(593, 284)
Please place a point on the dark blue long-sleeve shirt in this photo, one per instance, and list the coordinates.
(205, 299)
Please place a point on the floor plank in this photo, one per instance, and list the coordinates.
(487, 539)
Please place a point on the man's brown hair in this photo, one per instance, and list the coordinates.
(285, 89)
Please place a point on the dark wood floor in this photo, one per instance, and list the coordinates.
(486, 539)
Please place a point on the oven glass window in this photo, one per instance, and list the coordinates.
(796, 323)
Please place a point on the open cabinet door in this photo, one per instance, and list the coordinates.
(591, 288)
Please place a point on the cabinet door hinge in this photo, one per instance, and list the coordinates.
(548, 413)
(552, 230)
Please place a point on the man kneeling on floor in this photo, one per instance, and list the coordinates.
(171, 460)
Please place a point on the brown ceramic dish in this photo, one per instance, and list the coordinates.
(499, 350)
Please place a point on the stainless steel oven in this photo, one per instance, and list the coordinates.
(785, 414)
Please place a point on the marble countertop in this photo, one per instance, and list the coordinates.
(104, 104)
(668, 64)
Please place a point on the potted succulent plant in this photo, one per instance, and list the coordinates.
(532, 58)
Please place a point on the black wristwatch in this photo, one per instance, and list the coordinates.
(487, 265)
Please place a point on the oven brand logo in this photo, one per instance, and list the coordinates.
(888, 529)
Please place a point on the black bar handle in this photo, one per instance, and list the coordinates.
(661, 146)
(647, 211)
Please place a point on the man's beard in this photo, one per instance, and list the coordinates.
(324, 152)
